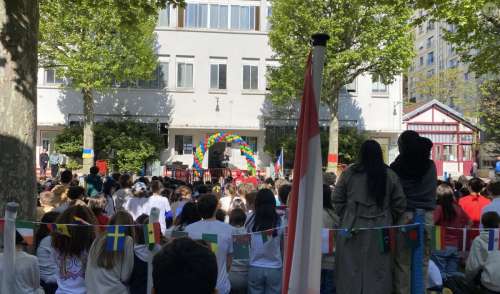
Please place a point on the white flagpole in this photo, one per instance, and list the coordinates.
(318, 60)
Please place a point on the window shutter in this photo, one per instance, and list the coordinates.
(180, 17)
(257, 18)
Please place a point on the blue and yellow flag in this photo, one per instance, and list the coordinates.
(115, 238)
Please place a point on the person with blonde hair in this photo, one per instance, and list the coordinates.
(108, 272)
(229, 195)
(46, 204)
(182, 195)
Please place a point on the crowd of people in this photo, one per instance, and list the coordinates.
(367, 194)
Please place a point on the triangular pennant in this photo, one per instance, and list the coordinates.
(115, 238)
(26, 229)
(411, 235)
(241, 246)
(387, 240)
(327, 241)
(62, 229)
(212, 241)
(437, 238)
(266, 235)
(80, 221)
(152, 234)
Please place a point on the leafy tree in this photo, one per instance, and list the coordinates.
(95, 44)
(475, 27)
(350, 140)
(449, 87)
(365, 37)
(490, 112)
(127, 144)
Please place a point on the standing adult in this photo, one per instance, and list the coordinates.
(418, 177)
(61, 190)
(330, 221)
(210, 227)
(474, 203)
(368, 194)
(93, 182)
(43, 161)
(54, 161)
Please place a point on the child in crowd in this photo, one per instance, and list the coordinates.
(43, 249)
(139, 277)
(188, 216)
(229, 194)
(220, 215)
(98, 206)
(70, 247)
(160, 202)
(494, 192)
(182, 256)
(121, 196)
(75, 197)
(264, 273)
(46, 204)
(209, 227)
(108, 272)
(137, 205)
(250, 202)
(181, 196)
(61, 191)
(484, 265)
(474, 203)
(108, 189)
(26, 271)
(239, 269)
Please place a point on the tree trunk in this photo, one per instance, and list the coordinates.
(333, 137)
(88, 129)
(18, 78)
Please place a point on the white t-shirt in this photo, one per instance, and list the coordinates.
(163, 205)
(224, 244)
(136, 206)
(27, 275)
(225, 203)
(265, 254)
(48, 268)
(71, 279)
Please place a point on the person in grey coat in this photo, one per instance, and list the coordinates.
(368, 194)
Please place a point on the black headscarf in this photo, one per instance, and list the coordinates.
(413, 160)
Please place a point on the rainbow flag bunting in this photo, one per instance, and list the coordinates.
(211, 239)
(241, 246)
(327, 241)
(387, 240)
(59, 228)
(266, 235)
(115, 238)
(493, 240)
(437, 238)
(152, 234)
(26, 229)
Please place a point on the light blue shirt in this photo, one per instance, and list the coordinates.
(493, 206)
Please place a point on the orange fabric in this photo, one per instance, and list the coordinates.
(473, 205)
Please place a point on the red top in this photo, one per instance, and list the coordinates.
(473, 205)
(452, 237)
(102, 219)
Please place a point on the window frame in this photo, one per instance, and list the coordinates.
(167, 10)
(251, 65)
(376, 80)
(217, 62)
(56, 80)
(184, 60)
(186, 150)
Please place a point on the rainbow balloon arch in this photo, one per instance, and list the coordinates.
(206, 143)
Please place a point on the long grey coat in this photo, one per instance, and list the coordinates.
(360, 266)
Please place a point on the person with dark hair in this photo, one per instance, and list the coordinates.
(284, 192)
(483, 264)
(124, 193)
(75, 197)
(418, 177)
(493, 189)
(219, 233)
(266, 263)
(368, 194)
(109, 187)
(239, 269)
(188, 216)
(70, 249)
(108, 272)
(229, 194)
(160, 202)
(181, 196)
(93, 182)
(48, 268)
(185, 266)
(220, 215)
(474, 203)
(61, 190)
(26, 273)
(449, 214)
(43, 160)
(139, 279)
(330, 221)
(250, 202)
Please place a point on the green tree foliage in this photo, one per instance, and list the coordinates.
(365, 37)
(95, 44)
(127, 144)
(490, 112)
(350, 140)
(474, 30)
(449, 87)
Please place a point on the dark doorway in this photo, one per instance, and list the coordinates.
(216, 155)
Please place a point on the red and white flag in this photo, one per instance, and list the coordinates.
(302, 269)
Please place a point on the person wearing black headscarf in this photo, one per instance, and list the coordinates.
(418, 177)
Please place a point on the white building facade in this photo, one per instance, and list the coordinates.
(213, 57)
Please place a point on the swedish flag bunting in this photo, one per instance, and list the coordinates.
(115, 238)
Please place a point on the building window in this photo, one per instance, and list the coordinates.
(218, 75)
(430, 42)
(52, 77)
(430, 25)
(269, 13)
(378, 87)
(430, 58)
(219, 16)
(421, 61)
(243, 18)
(430, 73)
(250, 77)
(450, 152)
(185, 74)
(183, 144)
(351, 87)
(252, 142)
(196, 15)
(164, 17)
